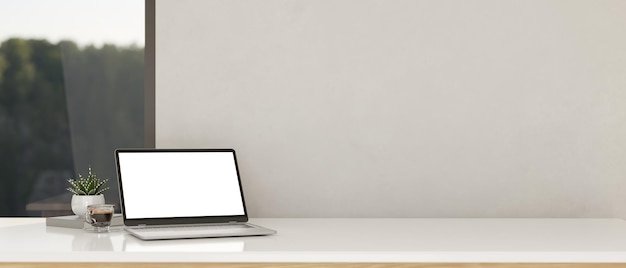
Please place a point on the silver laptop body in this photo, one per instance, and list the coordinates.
(182, 193)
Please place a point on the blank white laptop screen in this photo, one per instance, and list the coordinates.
(180, 184)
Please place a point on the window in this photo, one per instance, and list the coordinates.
(71, 91)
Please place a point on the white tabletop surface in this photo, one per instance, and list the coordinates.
(335, 240)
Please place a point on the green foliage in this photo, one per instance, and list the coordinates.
(61, 106)
(34, 130)
(87, 186)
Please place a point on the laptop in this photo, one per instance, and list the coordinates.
(182, 193)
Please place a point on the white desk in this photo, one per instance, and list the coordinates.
(336, 241)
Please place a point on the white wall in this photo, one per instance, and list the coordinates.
(403, 108)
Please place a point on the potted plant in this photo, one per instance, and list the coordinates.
(87, 191)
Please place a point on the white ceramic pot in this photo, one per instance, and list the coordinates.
(80, 203)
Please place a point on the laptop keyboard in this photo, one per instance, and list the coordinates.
(196, 230)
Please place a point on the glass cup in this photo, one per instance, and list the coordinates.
(99, 217)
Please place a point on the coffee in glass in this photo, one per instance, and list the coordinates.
(99, 217)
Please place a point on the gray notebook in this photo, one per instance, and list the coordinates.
(182, 193)
(73, 221)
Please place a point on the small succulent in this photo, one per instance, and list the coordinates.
(87, 186)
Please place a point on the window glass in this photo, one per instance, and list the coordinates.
(71, 91)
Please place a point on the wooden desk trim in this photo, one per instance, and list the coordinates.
(315, 265)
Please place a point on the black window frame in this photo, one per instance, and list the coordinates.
(149, 76)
